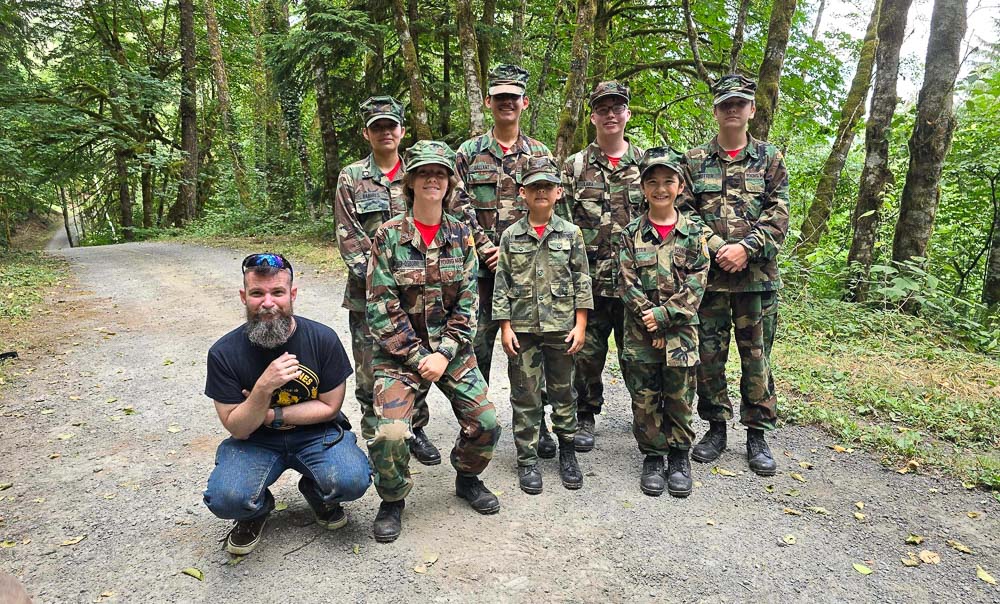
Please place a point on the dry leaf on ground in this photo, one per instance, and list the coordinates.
(73, 541)
(797, 476)
(805, 465)
(792, 512)
(910, 560)
(420, 569)
(973, 515)
(818, 510)
(982, 575)
(859, 504)
(861, 568)
(194, 572)
(958, 545)
(789, 539)
(929, 557)
(859, 516)
(914, 539)
(722, 471)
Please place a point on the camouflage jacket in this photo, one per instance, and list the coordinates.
(422, 299)
(541, 281)
(668, 277)
(740, 200)
(491, 180)
(601, 200)
(365, 199)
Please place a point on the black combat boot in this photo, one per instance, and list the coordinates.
(423, 449)
(678, 473)
(546, 444)
(711, 446)
(652, 481)
(471, 489)
(569, 471)
(389, 521)
(584, 439)
(759, 454)
(529, 479)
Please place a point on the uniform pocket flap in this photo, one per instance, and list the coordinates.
(753, 182)
(519, 291)
(561, 290)
(707, 185)
(645, 257)
(479, 177)
(558, 243)
(373, 204)
(522, 247)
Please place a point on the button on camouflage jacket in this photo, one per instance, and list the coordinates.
(601, 200)
(365, 199)
(741, 200)
(491, 181)
(422, 299)
(541, 281)
(667, 277)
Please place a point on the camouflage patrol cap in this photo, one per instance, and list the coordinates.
(661, 156)
(610, 88)
(541, 169)
(507, 79)
(378, 107)
(423, 153)
(732, 86)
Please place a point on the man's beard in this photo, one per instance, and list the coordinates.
(269, 332)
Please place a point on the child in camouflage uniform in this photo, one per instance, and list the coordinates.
(664, 268)
(541, 298)
(421, 311)
(370, 192)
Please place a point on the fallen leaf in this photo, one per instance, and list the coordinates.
(805, 465)
(969, 485)
(910, 560)
(929, 557)
(128, 410)
(914, 539)
(109, 495)
(982, 575)
(168, 362)
(65, 436)
(420, 569)
(861, 568)
(74, 398)
(111, 400)
(698, 484)
(497, 493)
(47, 411)
(958, 545)
(973, 515)
(193, 572)
(769, 488)
(6, 544)
(793, 492)
(356, 549)
(234, 560)
(627, 504)
(792, 512)
(73, 541)
(39, 500)
(818, 510)
(797, 476)
(722, 471)
(54, 455)
(838, 449)
(5, 485)
(281, 505)
(430, 558)
(859, 516)
(859, 504)
(789, 539)
(173, 428)
(25, 541)
(710, 522)
(107, 594)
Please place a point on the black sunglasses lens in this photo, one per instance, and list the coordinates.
(275, 260)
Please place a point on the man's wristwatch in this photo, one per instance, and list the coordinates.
(278, 421)
(446, 353)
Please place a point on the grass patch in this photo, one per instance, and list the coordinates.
(25, 278)
(893, 383)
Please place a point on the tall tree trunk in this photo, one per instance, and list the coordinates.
(327, 121)
(517, 32)
(229, 130)
(470, 66)
(770, 68)
(738, 33)
(932, 131)
(692, 36)
(421, 123)
(815, 224)
(575, 89)
(543, 77)
(819, 19)
(65, 214)
(146, 181)
(261, 90)
(189, 113)
(484, 38)
(991, 281)
(444, 114)
(124, 194)
(875, 175)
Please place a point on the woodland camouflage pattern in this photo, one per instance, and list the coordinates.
(662, 398)
(540, 282)
(667, 277)
(610, 88)
(378, 107)
(421, 300)
(741, 200)
(734, 85)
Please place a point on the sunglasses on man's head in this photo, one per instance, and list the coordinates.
(275, 260)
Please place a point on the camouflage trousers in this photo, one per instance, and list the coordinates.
(607, 316)
(541, 363)
(362, 345)
(662, 399)
(486, 327)
(396, 389)
(755, 317)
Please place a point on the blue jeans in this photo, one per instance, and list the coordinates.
(333, 469)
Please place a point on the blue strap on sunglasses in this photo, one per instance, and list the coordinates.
(267, 259)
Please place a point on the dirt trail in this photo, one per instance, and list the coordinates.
(107, 436)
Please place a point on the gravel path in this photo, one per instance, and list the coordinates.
(107, 438)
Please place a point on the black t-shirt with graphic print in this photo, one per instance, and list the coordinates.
(235, 363)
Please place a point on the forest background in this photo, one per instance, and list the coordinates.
(212, 119)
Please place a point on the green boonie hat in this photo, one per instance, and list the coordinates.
(429, 152)
(661, 156)
(732, 86)
(611, 88)
(541, 169)
(507, 79)
(378, 107)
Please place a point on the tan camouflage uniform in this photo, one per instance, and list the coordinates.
(540, 282)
